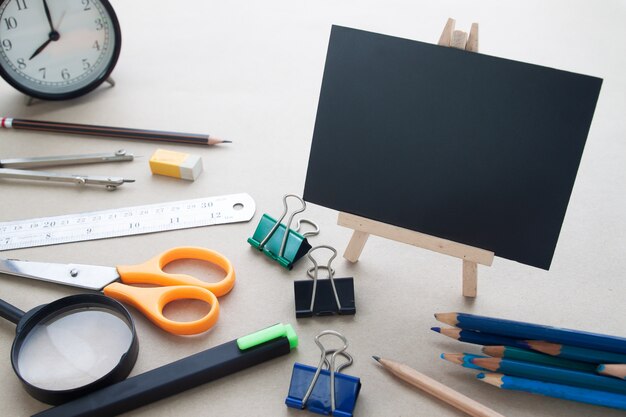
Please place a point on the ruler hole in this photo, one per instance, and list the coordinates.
(237, 206)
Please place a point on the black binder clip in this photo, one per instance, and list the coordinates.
(284, 248)
(324, 297)
(325, 391)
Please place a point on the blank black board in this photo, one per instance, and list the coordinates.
(464, 146)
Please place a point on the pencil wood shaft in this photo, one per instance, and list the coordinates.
(111, 132)
(437, 389)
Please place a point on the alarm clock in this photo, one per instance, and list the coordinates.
(57, 49)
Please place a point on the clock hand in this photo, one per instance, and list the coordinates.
(52, 37)
(41, 48)
(61, 19)
(45, 6)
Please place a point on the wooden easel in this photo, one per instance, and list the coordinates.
(364, 227)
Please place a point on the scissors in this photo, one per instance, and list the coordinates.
(150, 301)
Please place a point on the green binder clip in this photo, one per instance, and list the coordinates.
(284, 248)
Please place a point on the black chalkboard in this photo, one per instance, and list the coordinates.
(460, 145)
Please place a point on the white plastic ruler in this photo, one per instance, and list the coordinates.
(126, 221)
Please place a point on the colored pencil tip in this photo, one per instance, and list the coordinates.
(227, 141)
(376, 358)
(436, 329)
(443, 356)
(480, 376)
(601, 368)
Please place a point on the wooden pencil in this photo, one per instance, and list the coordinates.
(551, 374)
(436, 389)
(110, 132)
(514, 353)
(529, 331)
(615, 370)
(576, 353)
(583, 395)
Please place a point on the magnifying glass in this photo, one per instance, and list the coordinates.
(72, 346)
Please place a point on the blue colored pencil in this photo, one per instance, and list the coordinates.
(576, 353)
(524, 331)
(479, 338)
(463, 359)
(552, 374)
(583, 395)
(614, 370)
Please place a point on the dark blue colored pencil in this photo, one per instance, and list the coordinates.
(521, 330)
(583, 395)
(478, 338)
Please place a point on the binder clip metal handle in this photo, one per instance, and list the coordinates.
(324, 297)
(281, 252)
(331, 368)
(330, 274)
(313, 232)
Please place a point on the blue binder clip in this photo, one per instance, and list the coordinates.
(324, 297)
(325, 391)
(271, 238)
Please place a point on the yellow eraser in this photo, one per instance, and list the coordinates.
(176, 164)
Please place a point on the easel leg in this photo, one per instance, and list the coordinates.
(356, 245)
(470, 278)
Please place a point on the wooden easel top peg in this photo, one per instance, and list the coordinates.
(459, 39)
(363, 227)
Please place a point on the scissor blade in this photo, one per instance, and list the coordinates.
(91, 277)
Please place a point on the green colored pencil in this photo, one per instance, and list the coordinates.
(552, 374)
(576, 353)
(523, 355)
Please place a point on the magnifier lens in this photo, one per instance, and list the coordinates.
(74, 348)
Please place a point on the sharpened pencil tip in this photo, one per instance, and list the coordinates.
(376, 358)
(436, 329)
(480, 376)
(601, 368)
(227, 141)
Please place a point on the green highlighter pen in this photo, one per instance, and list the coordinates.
(182, 375)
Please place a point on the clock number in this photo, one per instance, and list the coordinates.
(99, 24)
(96, 46)
(86, 64)
(86, 4)
(10, 22)
(43, 72)
(21, 64)
(65, 74)
(7, 45)
(21, 4)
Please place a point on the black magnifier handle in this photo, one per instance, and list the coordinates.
(10, 312)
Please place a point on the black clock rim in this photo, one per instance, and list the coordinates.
(89, 87)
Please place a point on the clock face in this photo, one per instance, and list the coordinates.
(57, 49)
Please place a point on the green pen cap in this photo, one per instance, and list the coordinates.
(267, 334)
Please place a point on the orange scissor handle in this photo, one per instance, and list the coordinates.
(151, 272)
(151, 301)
